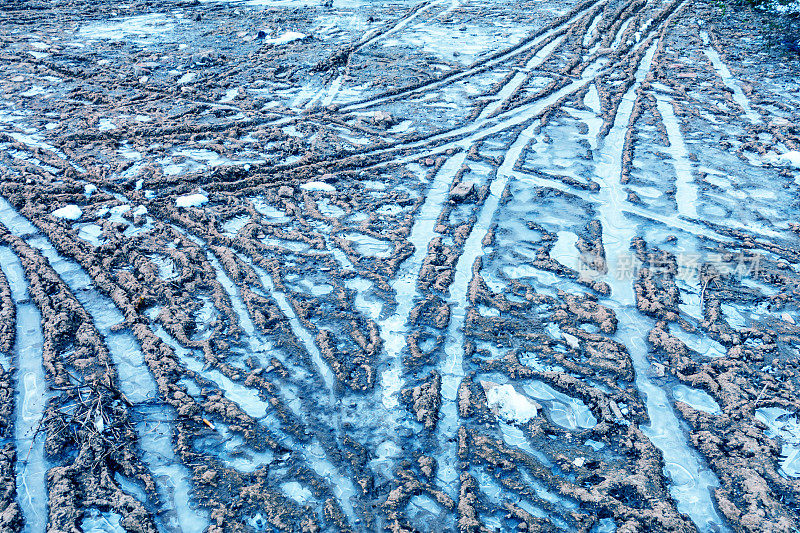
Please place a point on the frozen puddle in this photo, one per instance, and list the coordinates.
(167, 269)
(139, 27)
(696, 398)
(246, 398)
(310, 287)
(567, 412)
(783, 425)
(328, 209)
(203, 157)
(31, 398)
(155, 439)
(297, 492)
(135, 382)
(565, 251)
(370, 246)
(514, 437)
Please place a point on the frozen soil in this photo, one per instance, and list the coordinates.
(362, 266)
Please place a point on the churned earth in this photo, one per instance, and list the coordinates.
(277, 265)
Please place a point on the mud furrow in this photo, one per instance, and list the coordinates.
(138, 387)
(516, 266)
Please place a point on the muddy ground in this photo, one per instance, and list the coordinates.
(277, 265)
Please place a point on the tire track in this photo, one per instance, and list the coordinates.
(452, 370)
(328, 93)
(703, 513)
(664, 430)
(499, 59)
(313, 455)
(138, 386)
(686, 193)
(394, 327)
(31, 398)
(245, 397)
(461, 137)
(727, 78)
(524, 121)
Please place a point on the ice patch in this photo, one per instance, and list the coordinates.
(268, 211)
(187, 78)
(727, 78)
(31, 397)
(297, 492)
(567, 412)
(105, 124)
(36, 90)
(565, 251)
(370, 246)
(785, 426)
(328, 209)
(96, 521)
(230, 94)
(231, 227)
(91, 233)
(700, 343)
(140, 26)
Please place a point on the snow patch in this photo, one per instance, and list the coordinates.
(510, 404)
(191, 200)
(318, 186)
(790, 159)
(287, 37)
(69, 212)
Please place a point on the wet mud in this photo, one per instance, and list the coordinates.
(276, 265)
